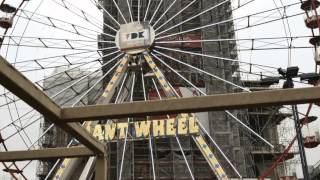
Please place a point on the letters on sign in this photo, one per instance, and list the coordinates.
(145, 129)
(137, 35)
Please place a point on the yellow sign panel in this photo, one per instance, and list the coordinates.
(145, 129)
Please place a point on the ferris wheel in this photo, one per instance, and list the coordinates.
(119, 51)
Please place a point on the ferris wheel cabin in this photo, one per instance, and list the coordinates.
(6, 20)
(312, 141)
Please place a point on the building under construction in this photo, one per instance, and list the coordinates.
(247, 153)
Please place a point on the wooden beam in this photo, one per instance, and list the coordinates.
(193, 104)
(18, 84)
(45, 154)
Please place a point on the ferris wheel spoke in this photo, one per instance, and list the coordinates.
(192, 17)
(219, 149)
(62, 73)
(120, 12)
(143, 85)
(83, 15)
(74, 29)
(240, 5)
(176, 137)
(150, 137)
(123, 152)
(44, 132)
(265, 22)
(13, 163)
(200, 124)
(228, 82)
(66, 72)
(27, 124)
(70, 69)
(67, 100)
(44, 46)
(75, 55)
(20, 123)
(249, 129)
(147, 10)
(54, 22)
(56, 85)
(18, 131)
(77, 92)
(228, 112)
(46, 41)
(164, 13)
(213, 57)
(79, 80)
(130, 10)
(184, 157)
(292, 38)
(155, 12)
(47, 67)
(33, 16)
(250, 24)
(15, 127)
(177, 73)
(18, 119)
(104, 10)
(152, 159)
(52, 65)
(139, 6)
(179, 12)
(200, 70)
(285, 23)
(193, 29)
(43, 42)
(121, 88)
(67, 58)
(9, 102)
(226, 21)
(127, 129)
(277, 43)
(96, 83)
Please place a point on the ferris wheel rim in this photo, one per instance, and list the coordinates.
(159, 42)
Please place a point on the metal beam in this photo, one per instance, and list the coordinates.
(193, 104)
(15, 82)
(83, 137)
(18, 84)
(45, 154)
(101, 168)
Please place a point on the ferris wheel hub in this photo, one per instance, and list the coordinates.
(135, 37)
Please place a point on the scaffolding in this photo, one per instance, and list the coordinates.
(249, 158)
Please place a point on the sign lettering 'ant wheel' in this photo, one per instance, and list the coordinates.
(116, 51)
